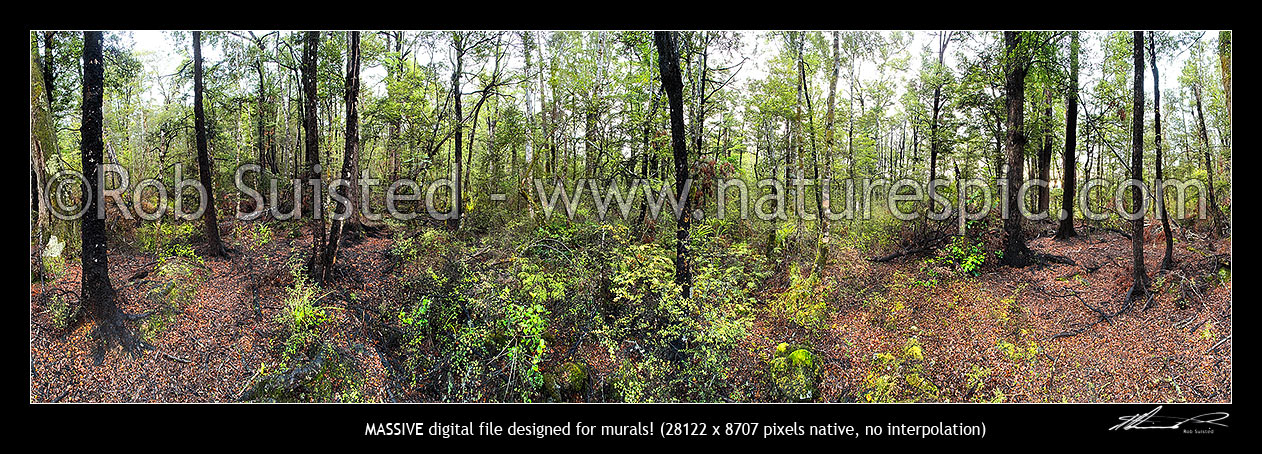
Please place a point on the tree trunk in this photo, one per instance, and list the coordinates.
(43, 142)
(458, 209)
(829, 146)
(1167, 261)
(668, 64)
(97, 293)
(1214, 212)
(312, 128)
(1016, 62)
(933, 127)
(1224, 60)
(1066, 229)
(350, 159)
(204, 169)
(1045, 156)
(1140, 274)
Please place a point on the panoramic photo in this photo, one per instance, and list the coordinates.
(631, 216)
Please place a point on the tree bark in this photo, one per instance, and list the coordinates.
(43, 142)
(312, 128)
(1167, 261)
(1224, 60)
(830, 147)
(350, 159)
(97, 293)
(1140, 274)
(1045, 155)
(1214, 212)
(1066, 229)
(672, 83)
(204, 169)
(458, 209)
(1016, 61)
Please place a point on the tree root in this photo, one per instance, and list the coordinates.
(1101, 315)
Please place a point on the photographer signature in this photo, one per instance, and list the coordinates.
(1151, 420)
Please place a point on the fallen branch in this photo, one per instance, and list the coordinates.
(1219, 344)
(930, 244)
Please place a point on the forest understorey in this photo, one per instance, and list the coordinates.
(906, 329)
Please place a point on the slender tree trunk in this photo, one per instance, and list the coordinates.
(1167, 261)
(1045, 155)
(1066, 229)
(933, 127)
(830, 147)
(668, 63)
(311, 126)
(458, 209)
(204, 168)
(350, 159)
(1016, 253)
(1214, 212)
(1137, 166)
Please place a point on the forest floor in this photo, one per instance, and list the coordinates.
(891, 333)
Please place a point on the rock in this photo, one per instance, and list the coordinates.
(795, 374)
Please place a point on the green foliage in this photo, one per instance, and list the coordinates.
(62, 311)
(795, 374)
(158, 237)
(882, 382)
(1029, 352)
(178, 277)
(526, 347)
(961, 254)
(255, 236)
(804, 302)
(300, 316)
(687, 342)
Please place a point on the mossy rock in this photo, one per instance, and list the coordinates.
(795, 374)
(568, 380)
(782, 350)
(551, 392)
(802, 359)
(571, 377)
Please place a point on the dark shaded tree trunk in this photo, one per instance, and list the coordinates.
(204, 169)
(933, 127)
(1016, 61)
(1066, 229)
(1167, 261)
(96, 292)
(1140, 274)
(312, 127)
(672, 83)
(1045, 155)
(350, 160)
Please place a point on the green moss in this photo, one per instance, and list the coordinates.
(567, 381)
(572, 377)
(802, 358)
(782, 350)
(795, 375)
